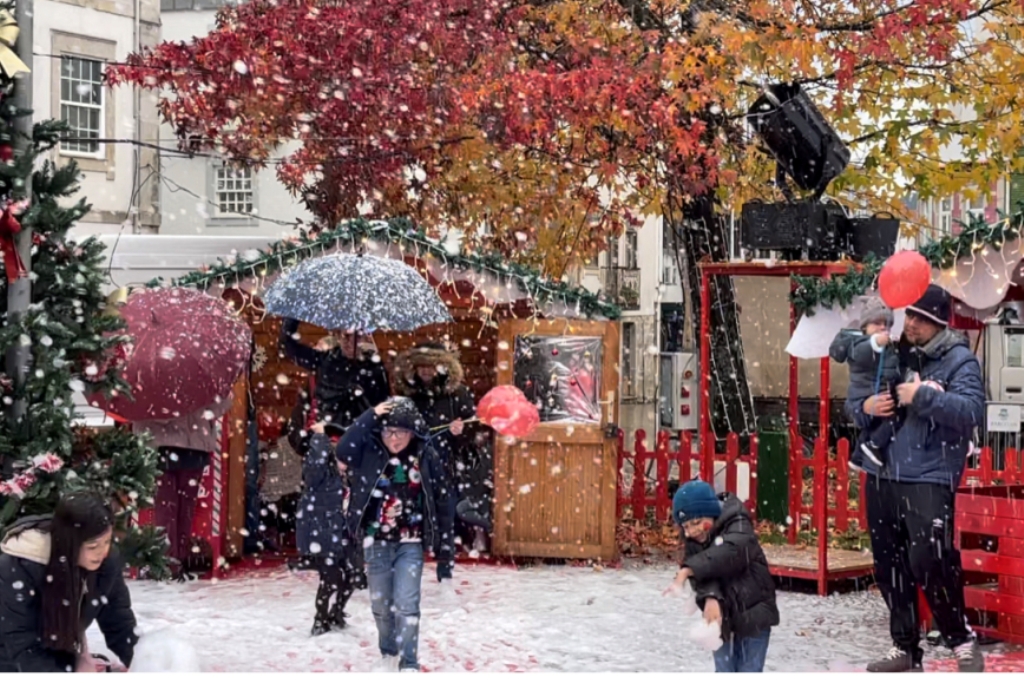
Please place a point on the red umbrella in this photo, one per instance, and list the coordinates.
(188, 349)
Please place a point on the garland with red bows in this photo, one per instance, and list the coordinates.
(18, 485)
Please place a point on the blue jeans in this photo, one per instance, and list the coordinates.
(743, 655)
(394, 572)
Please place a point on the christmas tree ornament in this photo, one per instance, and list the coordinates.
(9, 60)
(9, 229)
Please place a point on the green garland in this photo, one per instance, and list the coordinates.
(400, 231)
(813, 292)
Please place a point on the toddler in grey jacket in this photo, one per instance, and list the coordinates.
(874, 368)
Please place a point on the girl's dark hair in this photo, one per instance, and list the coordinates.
(79, 518)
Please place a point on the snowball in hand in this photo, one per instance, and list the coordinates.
(707, 636)
(163, 652)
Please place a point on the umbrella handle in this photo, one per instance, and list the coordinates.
(448, 426)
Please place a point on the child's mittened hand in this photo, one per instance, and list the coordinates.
(882, 338)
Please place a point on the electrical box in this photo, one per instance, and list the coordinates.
(1004, 362)
(680, 389)
(1004, 385)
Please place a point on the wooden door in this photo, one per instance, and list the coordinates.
(555, 490)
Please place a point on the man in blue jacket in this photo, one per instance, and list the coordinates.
(910, 498)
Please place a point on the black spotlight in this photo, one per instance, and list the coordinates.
(803, 143)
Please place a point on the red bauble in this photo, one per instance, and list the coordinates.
(904, 279)
(554, 352)
(6, 154)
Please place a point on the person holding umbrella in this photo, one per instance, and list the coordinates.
(347, 378)
(350, 293)
(184, 444)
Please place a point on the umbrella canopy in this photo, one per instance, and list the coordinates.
(353, 292)
(188, 349)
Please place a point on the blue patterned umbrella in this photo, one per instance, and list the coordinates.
(353, 292)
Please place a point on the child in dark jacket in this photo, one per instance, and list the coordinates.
(873, 360)
(320, 528)
(727, 568)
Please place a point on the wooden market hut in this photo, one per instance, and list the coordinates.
(554, 491)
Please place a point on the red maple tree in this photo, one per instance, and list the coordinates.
(361, 86)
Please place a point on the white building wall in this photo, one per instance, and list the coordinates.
(103, 30)
(189, 198)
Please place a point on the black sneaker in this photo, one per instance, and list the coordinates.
(319, 628)
(871, 454)
(338, 622)
(969, 658)
(896, 661)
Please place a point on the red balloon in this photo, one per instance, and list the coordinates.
(904, 279)
(506, 410)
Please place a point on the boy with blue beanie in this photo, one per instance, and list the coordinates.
(726, 566)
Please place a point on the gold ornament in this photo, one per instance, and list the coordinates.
(117, 298)
(9, 61)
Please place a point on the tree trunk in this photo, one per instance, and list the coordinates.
(698, 232)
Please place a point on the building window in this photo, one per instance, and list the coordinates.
(628, 359)
(974, 207)
(234, 192)
(81, 105)
(946, 216)
(632, 246)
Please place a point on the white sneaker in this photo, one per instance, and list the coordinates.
(387, 665)
(480, 541)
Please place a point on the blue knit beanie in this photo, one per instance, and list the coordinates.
(694, 500)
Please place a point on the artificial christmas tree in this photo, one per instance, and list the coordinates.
(74, 345)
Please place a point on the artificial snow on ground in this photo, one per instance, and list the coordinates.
(542, 618)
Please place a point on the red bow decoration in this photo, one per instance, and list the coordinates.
(9, 228)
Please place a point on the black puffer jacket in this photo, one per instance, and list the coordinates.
(24, 554)
(345, 387)
(731, 567)
(363, 452)
(440, 402)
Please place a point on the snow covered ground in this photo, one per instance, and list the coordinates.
(498, 619)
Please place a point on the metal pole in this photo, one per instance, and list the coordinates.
(19, 293)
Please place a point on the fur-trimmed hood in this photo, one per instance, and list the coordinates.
(447, 363)
(29, 539)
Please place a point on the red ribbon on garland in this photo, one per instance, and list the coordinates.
(9, 228)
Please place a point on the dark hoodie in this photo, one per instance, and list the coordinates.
(363, 452)
(932, 439)
(731, 567)
(24, 554)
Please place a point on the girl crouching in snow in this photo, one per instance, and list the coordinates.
(399, 506)
(727, 568)
(320, 528)
(57, 576)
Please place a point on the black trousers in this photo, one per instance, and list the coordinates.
(912, 540)
(335, 582)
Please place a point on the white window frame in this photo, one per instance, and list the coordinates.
(945, 216)
(228, 174)
(93, 49)
(65, 64)
(229, 219)
(974, 207)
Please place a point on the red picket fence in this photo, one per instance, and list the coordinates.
(830, 497)
(985, 474)
(640, 494)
